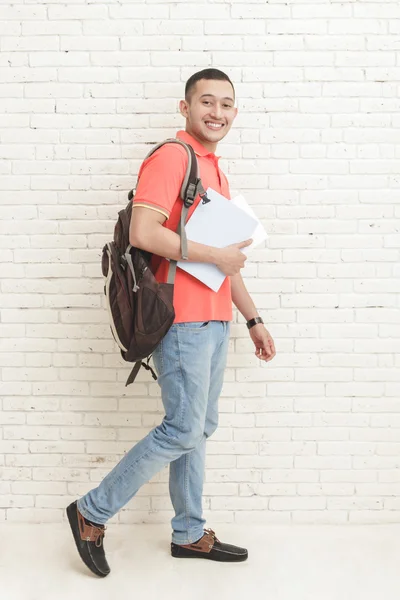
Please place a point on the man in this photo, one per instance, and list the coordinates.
(191, 358)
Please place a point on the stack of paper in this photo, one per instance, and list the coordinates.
(259, 235)
(219, 223)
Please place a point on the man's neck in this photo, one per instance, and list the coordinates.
(210, 146)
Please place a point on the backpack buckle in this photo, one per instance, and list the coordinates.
(204, 198)
(191, 193)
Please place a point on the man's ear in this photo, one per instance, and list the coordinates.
(183, 108)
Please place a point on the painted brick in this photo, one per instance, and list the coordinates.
(87, 88)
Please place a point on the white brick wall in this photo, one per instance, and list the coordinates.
(85, 89)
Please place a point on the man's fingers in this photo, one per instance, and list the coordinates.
(266, 351)
(259, 354)
(262, 355)
(245, 243)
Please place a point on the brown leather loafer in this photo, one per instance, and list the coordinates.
(211, 548)
(89, 541)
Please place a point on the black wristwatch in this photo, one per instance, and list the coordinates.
(253, 322)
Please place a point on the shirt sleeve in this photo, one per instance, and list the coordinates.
(160, 179)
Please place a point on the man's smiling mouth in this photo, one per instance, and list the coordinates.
(215, 126)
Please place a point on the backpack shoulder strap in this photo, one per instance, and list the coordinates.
(191, 185)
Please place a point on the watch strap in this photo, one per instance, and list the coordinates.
(253, 322)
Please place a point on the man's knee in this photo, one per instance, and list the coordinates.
(189, 440)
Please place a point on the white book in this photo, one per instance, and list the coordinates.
(219, 223)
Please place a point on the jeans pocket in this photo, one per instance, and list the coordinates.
(193, 325)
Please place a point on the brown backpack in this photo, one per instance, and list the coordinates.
(141, 310)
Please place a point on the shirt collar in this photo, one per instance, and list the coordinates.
(197, 147)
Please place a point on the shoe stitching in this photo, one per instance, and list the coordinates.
(94, 562)
(233, 553)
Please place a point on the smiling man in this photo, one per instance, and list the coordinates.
(191, 358)
(207, 112)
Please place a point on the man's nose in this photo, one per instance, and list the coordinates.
(217, 111)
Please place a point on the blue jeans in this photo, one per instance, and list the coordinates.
(190, 362)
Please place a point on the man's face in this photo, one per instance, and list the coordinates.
(210, 113)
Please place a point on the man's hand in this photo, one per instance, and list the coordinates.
(265, 348)
(230, 259)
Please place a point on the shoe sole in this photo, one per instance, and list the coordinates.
(71, 520)
(194, 554)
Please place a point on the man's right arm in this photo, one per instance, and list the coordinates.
(147, 232)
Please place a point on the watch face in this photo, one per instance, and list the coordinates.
(254, 321)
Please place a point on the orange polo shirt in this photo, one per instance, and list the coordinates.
(159, 184)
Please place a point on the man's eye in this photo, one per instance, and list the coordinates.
(206, 102)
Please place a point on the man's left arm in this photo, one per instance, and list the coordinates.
(263, 342)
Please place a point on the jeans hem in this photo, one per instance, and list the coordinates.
(190, 539)
(87, 516)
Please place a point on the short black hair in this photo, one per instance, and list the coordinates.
(205, 74)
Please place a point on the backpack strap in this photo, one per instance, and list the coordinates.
(133, 373)
(184, 248)
(136, 368)
(191, 185)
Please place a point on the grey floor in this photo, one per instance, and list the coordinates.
(40, 562)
